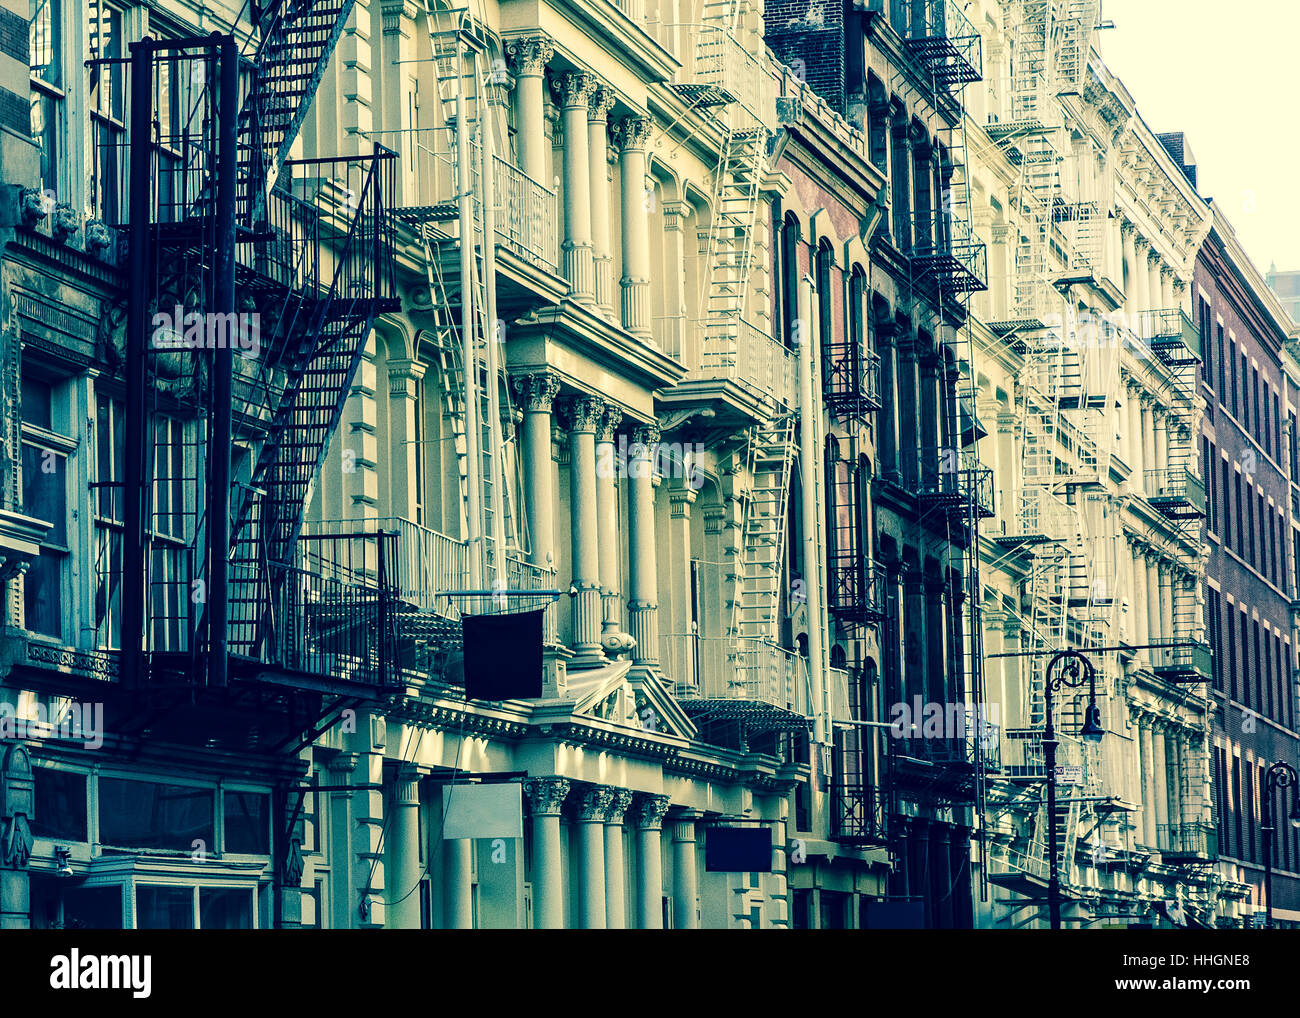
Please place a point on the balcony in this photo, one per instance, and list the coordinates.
(859, 814)
(850, 379)
(526, 211)
(752, 681)
(977, 744)
(1023, 757)
(955, 481)
(757, 369)
(1185, 663)
(944, 247)
(1187, 844)
(1171, 335)
(1176, 493)
(718, 71)
(856, 594)
(940, 38)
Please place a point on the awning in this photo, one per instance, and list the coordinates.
(971, 428)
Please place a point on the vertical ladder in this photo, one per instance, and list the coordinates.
(763, 536)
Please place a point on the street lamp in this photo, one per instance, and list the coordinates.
(1075, 670)
(1280, 775)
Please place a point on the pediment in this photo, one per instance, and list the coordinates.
(626, 695)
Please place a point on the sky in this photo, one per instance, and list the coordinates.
(1228, 76)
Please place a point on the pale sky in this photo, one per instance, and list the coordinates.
(1228, 76)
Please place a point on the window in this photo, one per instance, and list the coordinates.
(60, 804)
(1254, 412)
(44, 469)
(1225, 494)
(1232, 670)
(789, 277)
(247, 822)
(45, 59)
(108, 154)
(1232, 358)
(147, 814)
(225, 908)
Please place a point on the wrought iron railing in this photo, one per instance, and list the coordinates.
(718, 668)
(715, 59)
(859, 813)
(1196, 840)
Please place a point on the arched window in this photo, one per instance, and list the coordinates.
(789, 281)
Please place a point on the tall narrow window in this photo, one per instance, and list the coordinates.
(45, 56)
(44, 468)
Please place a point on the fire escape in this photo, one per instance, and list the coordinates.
(251, 614)
(947, 264)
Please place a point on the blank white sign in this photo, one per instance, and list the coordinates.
(483, 811)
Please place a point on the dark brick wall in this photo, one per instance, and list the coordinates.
(809, 37)
(13, 36)
(15, 112)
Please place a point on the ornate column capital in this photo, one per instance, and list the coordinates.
(592, 803)
(648, 811)
(600, 102)
(646, 435)
(680, 499)
(537, 391)
(398, 15)
(583, 413)
(619, 803)
(1126, 227)
(683, 825)
(529, 55)
(609, 422)
(546, 795)
(573, 89)
(633, 133)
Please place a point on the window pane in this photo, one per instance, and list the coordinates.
(60, 805)
(225, 909)
(44, 37)
(247, 826)
(45, 490)
(43, 594)
(142, 814)
(38, 403)
(164, 908)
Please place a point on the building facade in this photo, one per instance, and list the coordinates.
(808, 377)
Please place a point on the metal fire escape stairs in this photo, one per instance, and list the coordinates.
(947, 266)
(459, 260)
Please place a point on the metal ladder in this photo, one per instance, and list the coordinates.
(763, 535)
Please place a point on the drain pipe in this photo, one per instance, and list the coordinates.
(810, 466)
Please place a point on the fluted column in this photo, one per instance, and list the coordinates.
(684, 876)
(1166, 601)
(1141, 278)
(648, 813)
(1157, 293)
(598, 107)
(612, 638)
(546, 799)
(573, 89)
(1148, 442)
(529, 57)
(584, 414)
(633, 137)
(643, 586)
(615, 889)
(593, 802)
(537, 394)
(1130, 259)
(680, 499)
(404, 854)
(1160, 771)
(1138, 567)
(1162, 447)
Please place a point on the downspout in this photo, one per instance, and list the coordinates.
(810, 461)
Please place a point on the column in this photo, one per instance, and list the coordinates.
(545, 799)
(598, 107)
(888, 416)
(398, 47)
(536, 395)
(1137, 566)
(648, 813)
(907, 403)
(1166, 602)
(404, 852)
(684, 883)
(457, 894)
(1141, 280)
(1148, 782)
(1155, 625)
(1160, 778)
(615, 891)
(1135, 434)
(671, 336)
(1129, 234)
(1162, 447)
(17, 810)
(633, 137)
(574, 88)
(1148, 441)
(404, 380)
(680, 499)
(584, 414)
(918, 864)
(1167, 297)
(1174, 751)
(529, 57)
(940, 877)
(963, 905)
(643, 585)
(593, 802)
(612, 639)
(1157, 293)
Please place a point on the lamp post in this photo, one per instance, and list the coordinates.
(1075, 671)
(1280, 775)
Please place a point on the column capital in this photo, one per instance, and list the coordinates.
(546, 795)
(530, 54)
(406, 785)
(600, 102)
(574, 88)
(608, 424)
(537, 391)
(633, 133)
(1127, 228)
(583, 413)
(619, 803)
(683, 825)
(592, 803)
(397, 14)
(648, 811)
(646, 435)
(680, 499)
